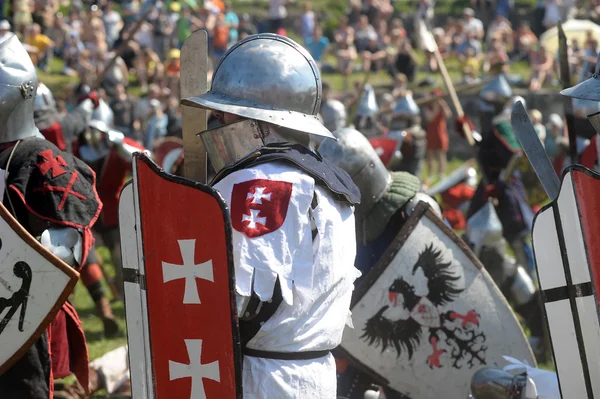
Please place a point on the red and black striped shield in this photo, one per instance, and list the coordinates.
(566, 242)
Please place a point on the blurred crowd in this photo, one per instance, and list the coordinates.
(104, 47)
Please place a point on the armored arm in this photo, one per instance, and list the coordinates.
(124, 147)
(65, 243)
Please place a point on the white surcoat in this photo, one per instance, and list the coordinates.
(275, 210)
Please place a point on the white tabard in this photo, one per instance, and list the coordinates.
(274, 209)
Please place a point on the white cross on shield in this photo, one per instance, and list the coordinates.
(566, 243)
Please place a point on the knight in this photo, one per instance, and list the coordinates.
(387, 199)
(52, 195)
(366, 113)
(405, 127)
(332, 111)
(292, 216)
(62, 132)
(497, 148)
(108, 153)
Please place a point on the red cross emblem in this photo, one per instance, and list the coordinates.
(259, 206)
(51, 163)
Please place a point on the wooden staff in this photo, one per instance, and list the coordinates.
(193, 83)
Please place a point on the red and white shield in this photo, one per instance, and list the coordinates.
(385, 147)
(259, 206)
(178, 272)
(566, 243)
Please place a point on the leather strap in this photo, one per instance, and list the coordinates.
(285, 355)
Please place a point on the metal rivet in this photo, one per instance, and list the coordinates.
(304, 115)
(247, 314)
(262, 323)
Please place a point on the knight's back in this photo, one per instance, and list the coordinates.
(293, 244)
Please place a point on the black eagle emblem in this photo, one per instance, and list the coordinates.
(448, 332)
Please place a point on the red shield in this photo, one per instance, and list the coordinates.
(165, 150)
(185, 262)
(385, 148)
(259, 206)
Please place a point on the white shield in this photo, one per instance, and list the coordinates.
(428, 315)
(33, 286)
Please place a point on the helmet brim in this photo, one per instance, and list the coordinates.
(253, 110)
(589, 89)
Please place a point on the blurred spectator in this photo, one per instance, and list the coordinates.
(5, 32)
(149, 68)
(246, 27)
(22, 18)
(552, 13)
(220, 39)
(499, 28)
(117, 73)
(363, 34)
(277, 14)
(524, 41)
(472, 25)
(536, 120)
(588, 59)
(496, 55)
(157, 124)
(317, 45)
(425, 11)
(307, 22)
(373, 56)
(470, 61)
(172, 70)
(345, 49)
(554, 130)
(164, 28)
(470, 42)
(400, 86)
(371, 10)
(113, 23)
(355, 12)
(435, 115)
(233, 22)
(124, 112)
(174, 127)
(406, 61)
(143, 107)
(44, 12)
(541, 68)
(43, 44)
(458, 34)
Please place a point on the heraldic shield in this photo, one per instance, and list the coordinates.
(179, 288)
(33, 286)
(428, 315)
(566, 244)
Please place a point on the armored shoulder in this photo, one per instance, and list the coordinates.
(51, 184)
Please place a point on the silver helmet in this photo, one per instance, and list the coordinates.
(406, 113)
(268, 78)
(589, 89)
(44, 100)
(484, 228)
(18, 84)
(334, 114)
(104, 113)
(497, 91)
(353, 153)
(367, 103)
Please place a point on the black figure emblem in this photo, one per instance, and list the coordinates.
(456, 331)
(18, 298)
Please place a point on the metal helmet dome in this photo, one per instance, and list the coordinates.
(496, 91)
(269, 78)
(18, 85)
(334, 114)
(44, 100)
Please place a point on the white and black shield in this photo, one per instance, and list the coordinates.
(428, 315)
(33, 286)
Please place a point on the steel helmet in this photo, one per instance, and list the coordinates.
(18, 85)
(497, 91)
(589, 89)
(367, 103)
(44, 100)
(269, 78)
(353, 153)
(334, 114)
(104, 113)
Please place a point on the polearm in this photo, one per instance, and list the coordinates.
(432, 47)
(193, 83)
(565, 77)
(145, 11)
